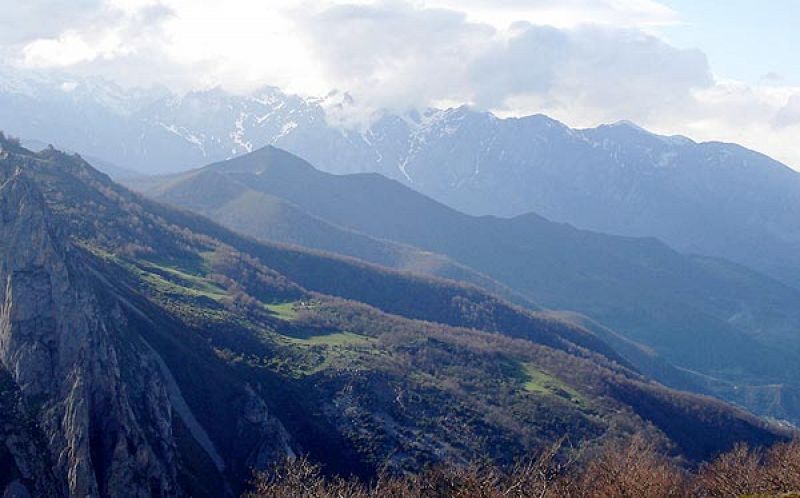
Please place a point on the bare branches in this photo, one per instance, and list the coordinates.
(630, 469)
(633, 469)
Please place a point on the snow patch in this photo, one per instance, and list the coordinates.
(238, 134)
(186, 135)
(285, 130)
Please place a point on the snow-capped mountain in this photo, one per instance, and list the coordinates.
(711, 198)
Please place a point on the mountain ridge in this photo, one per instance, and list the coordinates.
(710, 198)
(704, 315)
(141, 306)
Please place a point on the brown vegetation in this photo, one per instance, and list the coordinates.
(631, 469)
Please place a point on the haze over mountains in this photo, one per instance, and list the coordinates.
(713, 199)
(147, 351)
(631, 260)
(399, 249)
(728, 330)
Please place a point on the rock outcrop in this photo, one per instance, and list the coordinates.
(99, 396)
(67, 357)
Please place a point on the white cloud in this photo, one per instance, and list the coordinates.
(763, 118)
(243, 46)
(31, 19)
(592, 72)
(581, 61)
(396, 55)
(106, 30)
(563, 13)
(71, 48)
(243, 43)
(789, 114)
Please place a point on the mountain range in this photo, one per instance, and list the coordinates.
(425, 286)
(712, 199)
(146, 351)
(724, 329)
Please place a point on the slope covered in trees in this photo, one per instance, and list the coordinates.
(149, 349)
(731, 330)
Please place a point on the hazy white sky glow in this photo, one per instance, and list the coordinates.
(582, 61)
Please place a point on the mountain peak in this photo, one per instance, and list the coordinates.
(9, 144)
(624, 126)
(543, 121)
(261, 160)
(628, 130)
(626, 123)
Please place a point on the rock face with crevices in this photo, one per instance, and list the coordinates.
(68, 358)
(96, 406)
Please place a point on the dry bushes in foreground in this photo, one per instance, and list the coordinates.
(634, 469)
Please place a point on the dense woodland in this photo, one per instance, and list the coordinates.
(617, 470)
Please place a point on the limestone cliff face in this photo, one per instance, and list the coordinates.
(89, 407)
(66, 356)
(25, 466)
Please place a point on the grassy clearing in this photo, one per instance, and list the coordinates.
(284, 311)
(335, 339)
(178, 281)
(289, 311)
(539, 382)
(312, 354)
(97, 251)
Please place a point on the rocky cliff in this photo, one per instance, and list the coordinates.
(81, 375)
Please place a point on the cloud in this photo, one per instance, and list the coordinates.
(582, 61)
(105, 30)
(396, 55)
(70, 48)
(789, 115)
(564, 13)
(772, 77)
(241, 44)
(33, 19)
(599, 72)
(764, 118)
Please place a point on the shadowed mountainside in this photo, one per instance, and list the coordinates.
(732, 331)
(147, 351)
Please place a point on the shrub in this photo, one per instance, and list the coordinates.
(631, 469)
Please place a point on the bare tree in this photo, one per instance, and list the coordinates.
(634, 468)
(630, 469)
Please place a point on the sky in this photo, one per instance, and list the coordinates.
(744, 39)
(711, 70)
